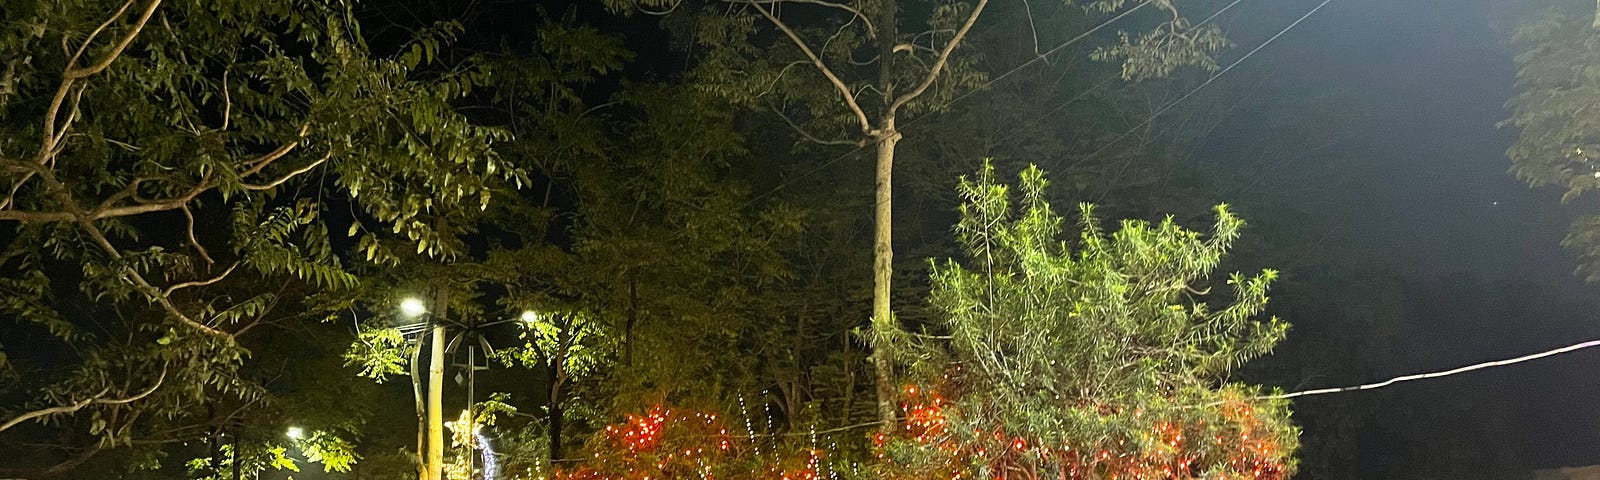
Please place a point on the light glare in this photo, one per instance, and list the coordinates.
(412, 307)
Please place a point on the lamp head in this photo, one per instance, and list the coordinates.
(413, 307)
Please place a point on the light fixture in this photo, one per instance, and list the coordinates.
(296, 433)
(529, 316)
(412, 307)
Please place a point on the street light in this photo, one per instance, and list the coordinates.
(295, 433)
(413, 307)
(529, 316)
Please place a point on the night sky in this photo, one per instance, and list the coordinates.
(1414, 174)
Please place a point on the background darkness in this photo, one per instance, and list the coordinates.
(1412, 182)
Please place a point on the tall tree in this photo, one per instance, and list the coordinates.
(845, 73)
(175, 153)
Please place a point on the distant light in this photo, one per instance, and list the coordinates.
(296, 433)
(529, 316)
(412, 307)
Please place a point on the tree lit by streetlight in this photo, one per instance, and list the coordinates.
(412, 307)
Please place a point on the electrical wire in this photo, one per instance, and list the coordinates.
(1014, 70)
(984, 86)
(1444, 373)
(1203, 85)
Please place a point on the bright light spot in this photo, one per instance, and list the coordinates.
(529, 316)
(296, 433)
(412, 307)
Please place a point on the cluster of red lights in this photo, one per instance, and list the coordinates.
(663, 444)
(1240, 448)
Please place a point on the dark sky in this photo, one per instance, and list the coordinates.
(1417, 168)
(1409, 92)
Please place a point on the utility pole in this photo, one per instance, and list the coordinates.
(472, 420)
(435, 459)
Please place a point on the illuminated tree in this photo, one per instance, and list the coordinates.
(846, 74)
(167, 169)
(1098, 358)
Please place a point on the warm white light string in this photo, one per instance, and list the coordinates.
(1445, 373)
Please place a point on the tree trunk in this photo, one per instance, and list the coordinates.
(633, 319)
(436, 390)
(884, 325)
(554, 430)
(1596, 14)
(422, 411)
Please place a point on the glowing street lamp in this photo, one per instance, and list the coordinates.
(529, 316)
(295, 433)
(413, 307)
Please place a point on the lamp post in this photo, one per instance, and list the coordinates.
(433, 460)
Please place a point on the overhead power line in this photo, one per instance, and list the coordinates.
(790, 182)
(982, 87)
(1445, 373)
(1203, 85)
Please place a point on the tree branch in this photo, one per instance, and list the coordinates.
(188, 215)
(871, 30)
(201, 283)
(93, 400)
(74, 72)
(261, 162)
(844, 90)
(808, 135)
(290, 175)
(944, 57)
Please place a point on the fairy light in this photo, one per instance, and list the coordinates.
(491, 466)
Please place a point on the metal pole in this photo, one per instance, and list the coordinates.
(236, 462)
(472, 420)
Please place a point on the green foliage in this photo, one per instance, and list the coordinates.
(167, 170)
(1558, 130)
(334, 452)
(1049, 336)
(379, 352)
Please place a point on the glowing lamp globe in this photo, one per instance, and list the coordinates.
(412, 307)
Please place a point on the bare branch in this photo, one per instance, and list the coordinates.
(844, 91)
(227, 103)
(188, 215)
(290, 175)
(78, 54)
(802, 131)
(96, 399)
(74, 72)
(261, 162)
(150, 291)
(201, 283)
(658, 13)
(871, 30)
(944, 57)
